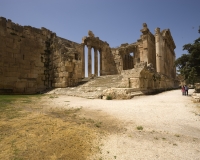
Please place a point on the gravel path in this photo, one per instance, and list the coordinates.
(170, 121)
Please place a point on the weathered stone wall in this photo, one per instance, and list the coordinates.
(123, 58)
(108, 64)
(147, 51)
(33, 60)
(143, 51)
(145, 78)
(66, 62)
(157, 53)
(165, 55)
(21, 47)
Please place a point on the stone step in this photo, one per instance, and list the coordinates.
(104, 81)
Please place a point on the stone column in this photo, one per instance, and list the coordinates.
(89, 61)
(95, 62)
(158, 54)
(129, 61)
(123, 60)
(126, 62)
(132, 62)
(83, 60)
(100, 58)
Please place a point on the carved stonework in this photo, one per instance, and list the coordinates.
(145, 29)
(90, 34)
(157, 30)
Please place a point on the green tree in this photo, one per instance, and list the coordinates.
(189, 64)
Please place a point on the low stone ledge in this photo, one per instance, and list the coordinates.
(196, 97)
(121, 93)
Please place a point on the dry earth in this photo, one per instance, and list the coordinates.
(163, 126)
(170, 122)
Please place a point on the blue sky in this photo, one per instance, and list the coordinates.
(114, 21)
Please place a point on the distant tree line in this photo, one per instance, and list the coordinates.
(189, 64)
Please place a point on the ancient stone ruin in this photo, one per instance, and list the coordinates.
(34, 60)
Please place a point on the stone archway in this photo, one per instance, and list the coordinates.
(92, 42)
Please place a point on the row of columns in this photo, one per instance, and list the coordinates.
(128, 62)
(90, 62)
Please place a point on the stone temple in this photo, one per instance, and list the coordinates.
(35, 60)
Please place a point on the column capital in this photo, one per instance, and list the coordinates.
(95, 49)
(89, 47)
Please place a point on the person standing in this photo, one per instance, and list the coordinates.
(186, 90)
(183, 90)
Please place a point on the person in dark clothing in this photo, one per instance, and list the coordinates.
(186, 90)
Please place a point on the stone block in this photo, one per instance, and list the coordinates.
(69, 68)
(38, 63)
(43, 77)
(19, 90)
(32, 84)
(62, 69)
(197, 87)
(64, 84)
(12, 74)
(60, 74)
(21, 84)
(40, 89)
(30, 90)
(58, 85)
(134, 83)
(9, 42)
(32, 75)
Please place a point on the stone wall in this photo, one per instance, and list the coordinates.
(145, 78)
(165, 56)
(21, 47)
(33, 60)
(153, 61)
(66, 63)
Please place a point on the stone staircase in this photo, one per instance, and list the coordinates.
(91, 88)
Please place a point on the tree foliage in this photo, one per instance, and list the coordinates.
(189, 64)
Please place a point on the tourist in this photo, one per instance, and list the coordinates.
(183, 90)
(186, 90)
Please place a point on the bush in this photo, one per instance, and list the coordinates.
(109, 97)
(139, 128)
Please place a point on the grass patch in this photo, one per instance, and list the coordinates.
(7, 108)
(177, 135)
(11, 105)
(108, 97)
(53, 96)
(56, 133)
(98, 124)
(139, 128)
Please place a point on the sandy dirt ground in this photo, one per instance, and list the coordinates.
(163, 126)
